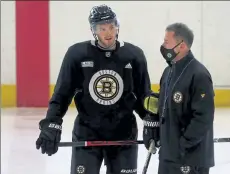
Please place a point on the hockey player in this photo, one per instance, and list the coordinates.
(108, 79)
(185, 108)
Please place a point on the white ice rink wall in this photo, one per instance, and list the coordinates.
(142, 23)
(8, 39)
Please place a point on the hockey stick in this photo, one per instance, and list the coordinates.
(118, 143)
(221, 140)
(99, 143)
(152, 150)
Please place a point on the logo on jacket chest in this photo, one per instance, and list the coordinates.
(185, 169)
(177, 97)
(106, 87)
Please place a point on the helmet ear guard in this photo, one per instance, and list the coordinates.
(93, 32)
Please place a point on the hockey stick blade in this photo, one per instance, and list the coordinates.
(99, 143)
(221, 140)
(152, 150)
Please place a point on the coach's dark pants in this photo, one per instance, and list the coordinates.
(88, 160)
(166, 167)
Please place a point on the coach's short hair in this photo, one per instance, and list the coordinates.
(182, 32)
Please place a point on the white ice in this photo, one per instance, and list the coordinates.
(19, 131)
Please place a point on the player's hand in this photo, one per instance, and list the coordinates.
(151, 130)
(49, 137)
(151, 121)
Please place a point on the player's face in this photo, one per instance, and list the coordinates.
(106, 34)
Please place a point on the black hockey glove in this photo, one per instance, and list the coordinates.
(49, 137)
(151, 129)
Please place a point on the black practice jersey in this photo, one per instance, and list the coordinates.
(104, 84)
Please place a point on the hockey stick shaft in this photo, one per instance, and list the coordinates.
(118, 143)
(152, 150)
(221, 140)
(98, 143)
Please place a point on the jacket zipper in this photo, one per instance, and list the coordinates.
(169, 78)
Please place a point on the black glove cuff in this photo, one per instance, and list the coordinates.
(151, 124)
(44, 124)
(151, 121)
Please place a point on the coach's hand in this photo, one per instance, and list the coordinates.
(49, 137)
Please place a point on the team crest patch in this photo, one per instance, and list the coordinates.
(80, 169)
(177, 97)
(185, 169)
(106, 87)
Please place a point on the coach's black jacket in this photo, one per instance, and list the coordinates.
(186, 108)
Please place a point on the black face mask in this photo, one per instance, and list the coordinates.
(169, 54)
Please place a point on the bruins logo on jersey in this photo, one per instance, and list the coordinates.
(106, 87)
(80, 169)
(177, 97)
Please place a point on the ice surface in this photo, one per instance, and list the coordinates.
(19, 131)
